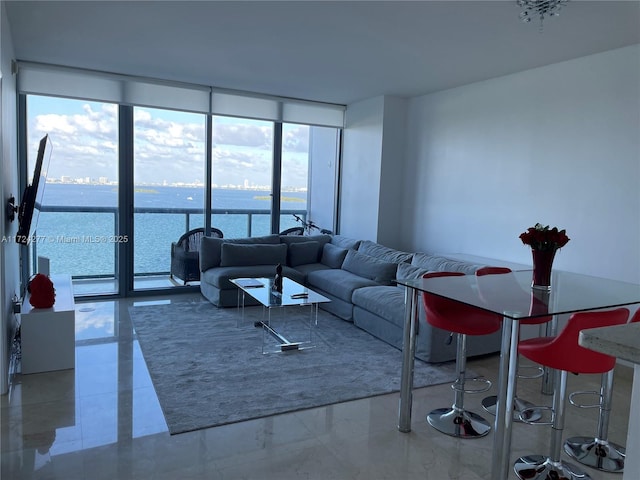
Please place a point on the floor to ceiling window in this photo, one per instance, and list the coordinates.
(141, 162)
(76, 229)
(241, 176)
(168, 181)
(294, 175)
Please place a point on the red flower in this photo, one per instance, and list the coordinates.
(540, 237)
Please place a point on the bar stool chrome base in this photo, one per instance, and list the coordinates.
(539, 467)
(595, 453)
(458, 423)
(522, 409)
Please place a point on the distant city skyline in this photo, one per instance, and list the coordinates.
(169, 146)
(246, 185)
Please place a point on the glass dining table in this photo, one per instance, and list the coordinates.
(512, 297)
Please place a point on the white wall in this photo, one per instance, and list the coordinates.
(557, 145)
(392, 171)
(9, 252)
(361, 168)
(372, 170)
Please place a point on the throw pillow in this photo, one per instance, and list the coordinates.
(240, 255)
(211, 248)
(302, 253)
(369, 267)
(333, 256)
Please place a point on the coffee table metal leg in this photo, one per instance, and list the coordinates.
(285, 344)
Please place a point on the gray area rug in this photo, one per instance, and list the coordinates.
(208, 368)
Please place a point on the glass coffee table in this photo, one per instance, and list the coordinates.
(293, 294)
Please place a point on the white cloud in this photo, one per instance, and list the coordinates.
(53, 124)
(167, 145)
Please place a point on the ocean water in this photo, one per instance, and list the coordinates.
(85, 243)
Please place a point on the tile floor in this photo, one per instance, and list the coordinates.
(103, 421)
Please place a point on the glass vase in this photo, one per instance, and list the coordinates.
(542, 264)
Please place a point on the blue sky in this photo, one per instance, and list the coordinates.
(168, 145)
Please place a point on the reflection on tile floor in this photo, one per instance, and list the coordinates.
(103, 420)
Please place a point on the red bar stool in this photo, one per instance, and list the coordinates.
(522, 409)
(598, 452)
(563, 354)
(463, 320)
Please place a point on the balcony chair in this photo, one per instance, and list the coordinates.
(597, 452)
(185, 255)
(463, 320)
(293, 231)
(563, 354)
(520, 407)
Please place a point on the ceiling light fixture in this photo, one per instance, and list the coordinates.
(541, 9)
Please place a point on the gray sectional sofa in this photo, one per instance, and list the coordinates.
(356, 275)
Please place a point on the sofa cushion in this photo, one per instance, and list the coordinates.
(234, 254)
(307, 268)
(385, 301)
(435, 263)
(345, 242)
(407, 271)
(369, 267)
(333, 255)
(289, 239)
(210, 248)
(301, 253)
(381, 252)
(339, 283)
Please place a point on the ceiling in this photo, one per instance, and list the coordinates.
(339, 52)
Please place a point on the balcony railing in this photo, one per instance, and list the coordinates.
(154, 230)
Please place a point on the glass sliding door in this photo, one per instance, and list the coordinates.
(294, 177)
(77, 228)
(241, 176)
(324, 159)
(308, 177)
(169, 165)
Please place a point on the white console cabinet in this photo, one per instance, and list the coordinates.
(48, 334)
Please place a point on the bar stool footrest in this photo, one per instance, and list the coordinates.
(520, 407)
(539, 372)
(584, 393)
(487, 385)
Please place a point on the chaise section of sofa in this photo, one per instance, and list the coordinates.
(380, 311)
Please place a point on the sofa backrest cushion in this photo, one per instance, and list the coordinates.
(241, 255)
(407, 271)
(434, 263)
(210, 248)
(289, 239)
(303, 253)
(345, 242)
(370, 267)
(381, 252)
(333, 255)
